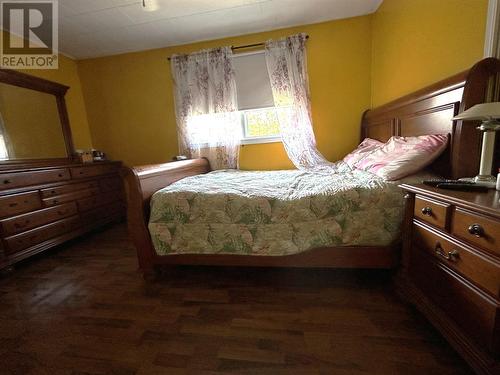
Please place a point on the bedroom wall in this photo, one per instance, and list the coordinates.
(67, 74)
(130, 103)
(353, 64)
(418, 42)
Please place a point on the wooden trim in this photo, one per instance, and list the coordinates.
(140, 184)
(475, 357)
(383, 257)
(454, 94)
(15, 78)
(491, 41)
(480, 203)
(66, 128)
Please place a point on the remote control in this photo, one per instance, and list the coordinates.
(436, 182)
(464, 187)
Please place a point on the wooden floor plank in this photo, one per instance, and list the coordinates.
(84, 309)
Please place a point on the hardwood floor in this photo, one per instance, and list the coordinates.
(83, 309)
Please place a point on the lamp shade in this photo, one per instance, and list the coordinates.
(483, 111)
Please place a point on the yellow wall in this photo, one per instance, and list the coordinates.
(130, 102)
(67, 74)
(353, 63)
(32, 124)
(418, 42)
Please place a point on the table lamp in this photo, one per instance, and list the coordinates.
(488, 113)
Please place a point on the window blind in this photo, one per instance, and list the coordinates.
(252, 81)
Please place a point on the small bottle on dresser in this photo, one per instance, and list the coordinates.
(498, 180)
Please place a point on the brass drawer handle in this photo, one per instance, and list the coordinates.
(450, 255)
(427, 211)
(7, 182)
(476, 230)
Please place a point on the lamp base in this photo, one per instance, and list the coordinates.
(482, 180)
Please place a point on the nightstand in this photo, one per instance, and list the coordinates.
(451, 268)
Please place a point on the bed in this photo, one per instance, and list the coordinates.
(180, 214)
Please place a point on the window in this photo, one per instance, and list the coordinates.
(4, 150)
(4, 154)
(259, 117)
(260, 126)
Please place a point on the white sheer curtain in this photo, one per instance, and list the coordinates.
(287, 67)
(208, 123)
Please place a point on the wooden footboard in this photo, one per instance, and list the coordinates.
(140, 184)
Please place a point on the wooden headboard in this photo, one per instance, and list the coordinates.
(430, 110)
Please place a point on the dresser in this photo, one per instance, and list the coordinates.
(450, 268)
(46, 206)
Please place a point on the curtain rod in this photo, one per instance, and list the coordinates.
(246, 46)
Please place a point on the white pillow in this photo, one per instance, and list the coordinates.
(364, 149)
(402, 156)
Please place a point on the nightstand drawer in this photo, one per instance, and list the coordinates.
(477, 229)
(477, 268)
(431, 211)
(473, 312)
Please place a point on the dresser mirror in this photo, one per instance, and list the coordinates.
(33, 120)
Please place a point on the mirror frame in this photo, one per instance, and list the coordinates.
(15, 78)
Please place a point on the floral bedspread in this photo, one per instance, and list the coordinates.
(274, 212)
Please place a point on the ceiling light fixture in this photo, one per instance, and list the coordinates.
(150, 5)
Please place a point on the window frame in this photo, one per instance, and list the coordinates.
(246, 140)
(4, 150)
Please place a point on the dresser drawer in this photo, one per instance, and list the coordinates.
(94, 170)
(36, 236)
(20, 179)
(109, 184)
(19, 203)
(431, 211)
(477, 268)
(47, 202)
(473, 312)
(62, 226)
(34, 219)
(477, 229)
(107, 211)
(98, 200)
(64, 189)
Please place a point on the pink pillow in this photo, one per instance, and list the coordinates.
(402, 156)
(364, 149)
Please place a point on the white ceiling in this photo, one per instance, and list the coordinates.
(91, 28)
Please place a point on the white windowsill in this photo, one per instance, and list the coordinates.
(254, 141)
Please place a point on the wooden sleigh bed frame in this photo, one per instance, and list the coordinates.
(427, 111)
